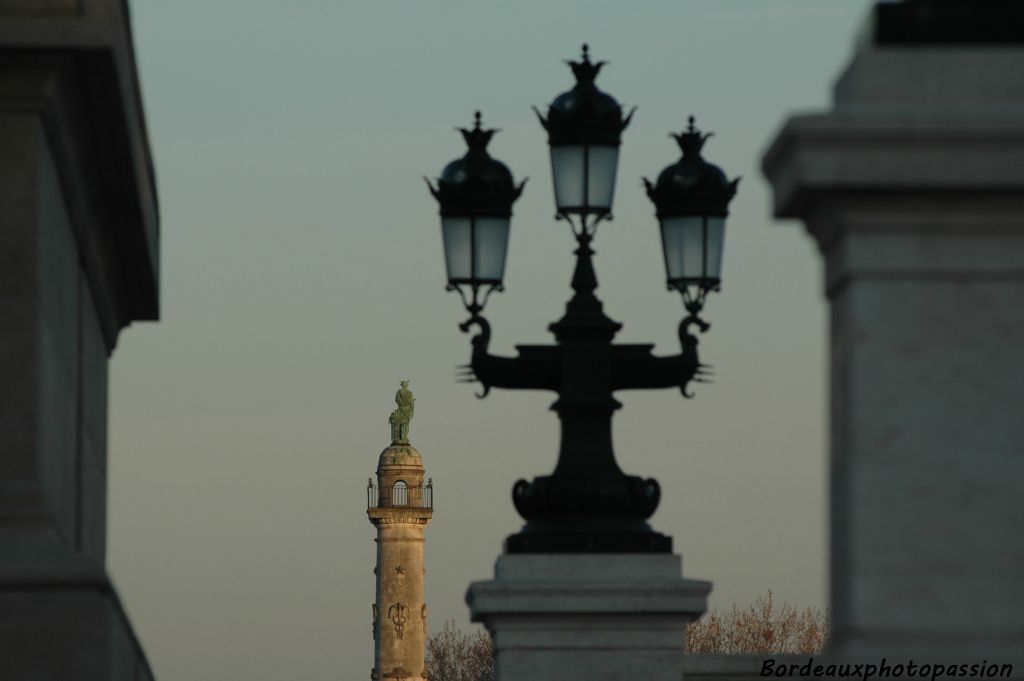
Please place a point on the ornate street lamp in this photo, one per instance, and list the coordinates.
(584, 130)
(476, 193)
(587, 504)
(692, 198)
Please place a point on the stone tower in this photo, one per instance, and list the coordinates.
(400, 505)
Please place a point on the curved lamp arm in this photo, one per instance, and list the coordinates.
(634, 367)
(536, 367)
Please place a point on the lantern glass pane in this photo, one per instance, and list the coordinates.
(716, 241)
(491, 243)
(567, 172)
(455, 232)
(682, 239)
(602, 163)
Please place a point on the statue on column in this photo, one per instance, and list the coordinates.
(401, 417)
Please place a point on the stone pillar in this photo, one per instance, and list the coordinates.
(600, 617)
(78, 262)
(400, 506)
(913, 187)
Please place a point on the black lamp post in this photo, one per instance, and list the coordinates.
(587, 504)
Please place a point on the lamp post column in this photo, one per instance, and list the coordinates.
(913, 188)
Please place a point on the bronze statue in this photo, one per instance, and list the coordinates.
(401, 417)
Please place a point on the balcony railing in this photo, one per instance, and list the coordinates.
(399, 495)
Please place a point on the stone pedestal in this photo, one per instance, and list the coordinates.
(78, 262)
(913, 187)
(600, 617)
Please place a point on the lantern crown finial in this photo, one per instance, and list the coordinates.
(584, 114)
(691, 185)
(477, 138)
(691, 140)
(476, 183)
(585, 70)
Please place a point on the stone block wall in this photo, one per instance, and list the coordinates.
(78, 262)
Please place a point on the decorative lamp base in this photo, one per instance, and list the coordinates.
(576, 540)
(575, 514)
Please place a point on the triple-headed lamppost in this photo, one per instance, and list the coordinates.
(587, 504)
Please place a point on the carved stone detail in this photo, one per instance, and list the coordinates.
(398, 614)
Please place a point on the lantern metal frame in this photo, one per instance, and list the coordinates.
(474, 187)
(692, 188)
(585, 117)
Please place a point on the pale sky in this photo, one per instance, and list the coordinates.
(302, 278)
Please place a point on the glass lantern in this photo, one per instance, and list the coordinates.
(584, 128)
(475, 194)
(691, 198)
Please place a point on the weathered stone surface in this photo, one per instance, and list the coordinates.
(400, 611)
(13, 8)
(78, 262)
(592, 616)
(75, 631)
(913, 188)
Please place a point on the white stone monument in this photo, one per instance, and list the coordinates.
(913, 187)
(400, 506)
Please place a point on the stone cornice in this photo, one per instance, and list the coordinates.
(400, 516)
(854, 154)
(76, 71)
